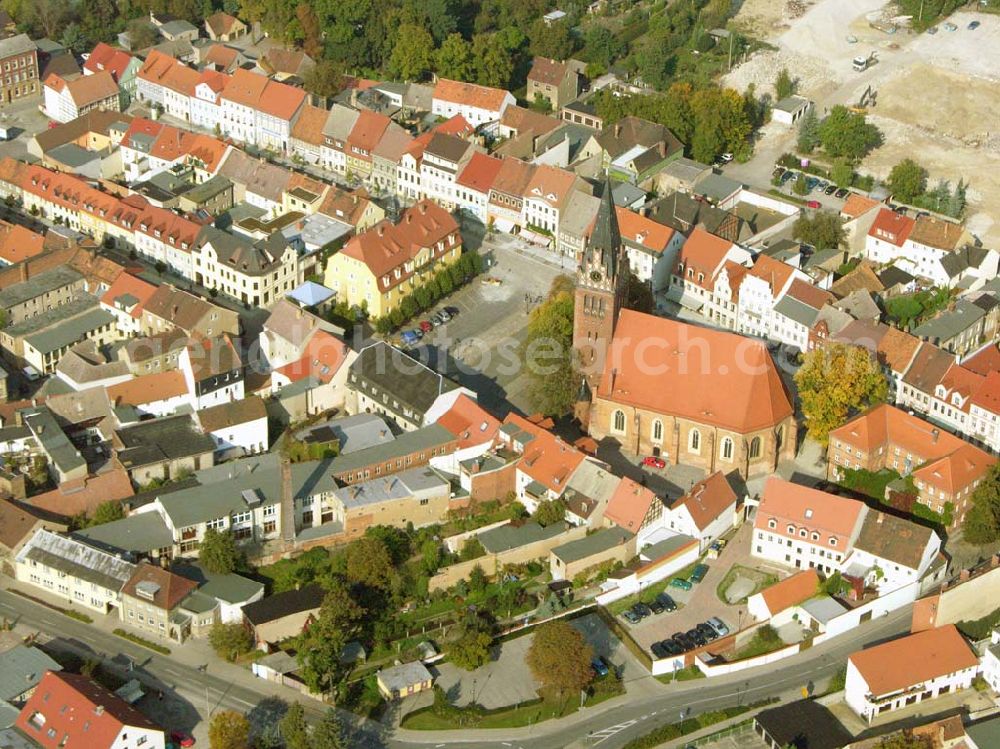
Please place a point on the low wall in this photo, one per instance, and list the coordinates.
(761, 660)
(454, 543)
(492, 563)
(871, 610)
(655, 572)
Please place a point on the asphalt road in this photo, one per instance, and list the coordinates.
(608, 728)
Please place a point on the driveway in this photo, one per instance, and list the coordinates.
(702, 602)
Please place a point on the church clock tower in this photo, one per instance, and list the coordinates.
(601, 279)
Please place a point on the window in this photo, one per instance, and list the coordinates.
(755, 448)
(772, 523)
(657, 431)
(727, 448)
(618, 421)
(694, 441)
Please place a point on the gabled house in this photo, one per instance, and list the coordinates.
(222, 27)
(634, 149)
(67, 99)
(557, 81)
(705, 512)
(477, 104)
(706, 277)
(123, 68)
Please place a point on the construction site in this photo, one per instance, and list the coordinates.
(935, 96)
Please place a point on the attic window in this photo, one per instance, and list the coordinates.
(833, 541)
(791, 529)
(809, 513)
(815, 536)
(772, 523)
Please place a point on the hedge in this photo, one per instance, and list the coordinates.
(142, 641)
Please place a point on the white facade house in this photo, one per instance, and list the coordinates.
(706, 512)
(73, 570)
(989, 666)
(206, 104)
(477, 104)
(908, 671)
(763, 285)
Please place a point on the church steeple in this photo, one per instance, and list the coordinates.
(601, 278)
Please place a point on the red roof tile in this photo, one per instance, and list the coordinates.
(708, 499)
(546, 459)
(857, 205)
(891, 227)
(106, 57)
(469, 422)
(470, 94)
(703, 253)
(127, 284)
(791, 591)
(322, 358)
(629, 505)
(84, 495)
(18, 243)
(892, 666)
(803, 508)
(480, 172)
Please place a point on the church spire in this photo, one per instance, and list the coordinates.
(605, 241)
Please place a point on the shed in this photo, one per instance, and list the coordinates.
(404, 679)
(790, 110)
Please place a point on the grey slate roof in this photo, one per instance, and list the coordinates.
(511, 536)
(16, 45)
(21, 668)
(354, 433)
(424, 438)
(141, 533)
(384, 369)
(595, 543)
(38, 285)
(53, 439)
(77, 560)
(231, 588)
(606, 237)
(162, 439)
(69, 331)
(398, 678)
(281, 605)
(73, 308)
(951, 323)
(399, 486)
(797, 311)
(239, 253)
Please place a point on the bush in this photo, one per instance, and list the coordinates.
(142, 641)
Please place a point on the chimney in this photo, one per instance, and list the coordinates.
(964, 575)
(381, 231)
(995, 560)
(24, 271)
(934, 436)
(644, 211)
(423, 208)
(355, 197)
(618, 130)
(614, 375)
(409, 218)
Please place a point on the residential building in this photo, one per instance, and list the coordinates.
(258, 110)
(66, 100)
(477, 104)
(123, 67)
(387, 381)
(213, 371)
(959, 329)
(283, 615)
(557, 81)
(796, 313)
(239, 426)
(382, 265)
(776, 603)
(734, 415)
(444, 157)
(204, 101)
(397, 682)
(18, 69)
(222, 27)
(73, 708)
(707, 277)
(705, 512)
(18, 523)
(151, 601)
(919, 246)
(546, 464)
(307, 133)
(887, 677)
(73, 570)
(651, 248)
(171, 309)
(22, 669)
(164, 449)
(945, 470)
(634, 149)
(256, 273)
(766, 281)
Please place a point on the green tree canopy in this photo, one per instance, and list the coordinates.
(329, 733)
(784, 86)
(229, 730)
(218, 552)
(559, 657)
(230, 641)
(472, 647)
(823, 230)
(412, 56)
(548, 353)
(908, 181)
(325, 79)
(294, 729)
(107, 512)
(848, 134)
(809, 134)
(321, 647)
(453, 59)
(549, 511)
(982, 523)
(905, 740)
(834, 382)
(369, 563)
(553, 40)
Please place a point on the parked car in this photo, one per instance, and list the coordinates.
(708, 631)
(716, 549)
(409, 337)
(830, 190)
(811, 182)
(727, 157)
(822, 185)
(719, 626)
(426, 326)
(631, 617)
(778, 171)
(659, 649)
(444, 314)
(841, 193)
(932, 30)
(182, 739)
(696, 637)
(949, 26)
(642, 610)
(438, 318)
(666, 602)
(656, 607)
(813, 204)
(685, 642)
(599, 666)
(679, 582)
(973, 25)
(673, 647)
(698, 573)
(453, 311)
(652, 461)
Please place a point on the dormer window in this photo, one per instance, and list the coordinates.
(803, 532)
(833, 541)
(815, 536)
(791, 530)
(941, 392)
(772, 523)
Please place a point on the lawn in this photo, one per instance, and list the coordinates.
(685, 674)
(648, 594)
(426, 719)
(917, 307)
(765, 640)
(871, 484)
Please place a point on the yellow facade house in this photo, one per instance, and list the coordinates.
(379, 267)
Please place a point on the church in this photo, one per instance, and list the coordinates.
(690, 395)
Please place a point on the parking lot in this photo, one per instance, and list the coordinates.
(480, 346)
(702, 601)
(506, 680)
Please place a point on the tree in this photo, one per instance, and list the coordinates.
(842, 173)
(325, 79)
(411, 56)
(784, 86)
(494, 63)
(369, 563)
(553, 40)
(472, 648)
(549, 511)
(848, 134)
(107, 512)
(74, 39)
(549, 356)
(907, 180)
(323, 643)
(809, 137)
(982, 523)
(559, 657)
(601, 46)
(477, 579)
(312, 34)
(328, 734)
(639, 295)
(229, 730)
(834, 382)
(142, 33)
(453, 59)
(956, 205)
(800, 186)
(294, 729)
(218, 552)
(905, 740)
(230, 641)
(823, 230)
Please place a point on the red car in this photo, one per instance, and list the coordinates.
(813, 204)
(652, 461)
(426, 327)
(182, 739)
